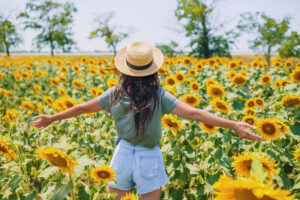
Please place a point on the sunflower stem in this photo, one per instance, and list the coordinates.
(73, 191)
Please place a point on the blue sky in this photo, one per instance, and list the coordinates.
(154, 21)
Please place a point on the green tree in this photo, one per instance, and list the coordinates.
(197, 19)
(290, 47)
(108, 32)
(170, 50)
(53, 21)
(8, 35)
(270, 33)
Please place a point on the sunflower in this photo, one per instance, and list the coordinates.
(244, 73)
(220, 105)
(265, 79)
(277, 84)
(103, 174)
(288, 63)
(283, 128)
(194, 86)
(239, 80)
(191, 99)
(295, 76)
(169, 80)
(169, 89)
(216, 67)
(291, 100)
(66, 102)
(57, 158)
(179, 76)
(102, 72)
(249, 111)
(49, 100)
(75, 68)
(39, 73)
(187, 60)
(77, 84)
(249, 119)
(216, 91)
(233, 65)
(259, 101)
(192, 72)
(208, 128)
(40, 108)
(171, 123)
(63, 69)
(284, 82)
(268, 128)
(231, 74)
(9, 116)
(61, 91)
(62, 78)
(242, 164)
(227, 188)
(210, 81)
(128, 196)
(54, 82)
(27, 105)
(8, 93)
(36, 88)
(1, 75)
(199, 66)
(93, 91)
(296, 154)
(7, 150)
(250, 103)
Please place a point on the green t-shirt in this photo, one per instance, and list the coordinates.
(124, 120)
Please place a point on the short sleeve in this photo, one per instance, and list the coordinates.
(169, 102)
(105, 98)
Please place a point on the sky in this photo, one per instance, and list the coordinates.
(153, 21)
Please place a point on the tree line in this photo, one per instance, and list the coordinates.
(53, 23)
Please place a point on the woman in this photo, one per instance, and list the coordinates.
(137, 104)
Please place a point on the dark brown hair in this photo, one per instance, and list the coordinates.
(141, 91)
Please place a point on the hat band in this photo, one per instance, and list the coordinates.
(143, 67)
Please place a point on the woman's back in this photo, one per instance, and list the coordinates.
(123, 116)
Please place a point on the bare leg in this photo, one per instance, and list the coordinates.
(120, 193)
(154, 195)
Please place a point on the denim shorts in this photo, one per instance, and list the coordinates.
(138, 166)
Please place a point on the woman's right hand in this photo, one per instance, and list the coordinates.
(241, 128)
(45, 121)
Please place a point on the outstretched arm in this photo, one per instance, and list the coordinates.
(186, 111)
(45, 120)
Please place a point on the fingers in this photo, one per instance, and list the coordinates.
(252, 136)
(249, 125)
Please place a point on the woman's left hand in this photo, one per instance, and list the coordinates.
(45, 121)
(241, 128)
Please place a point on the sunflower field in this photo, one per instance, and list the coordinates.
(69, 159)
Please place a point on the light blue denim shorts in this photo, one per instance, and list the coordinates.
(138, 166)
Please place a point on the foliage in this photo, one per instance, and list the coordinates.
(8, 35)
(290, 47)
(197, 20)
(53, 21)
(170, 50)
(270, 33)
(108, 32)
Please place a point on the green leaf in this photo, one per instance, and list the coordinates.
(83, 195)
(258, 171)
(62, 190)
(295, 128)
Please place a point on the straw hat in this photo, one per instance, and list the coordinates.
(139, 59)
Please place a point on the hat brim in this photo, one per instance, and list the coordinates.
(121, 65)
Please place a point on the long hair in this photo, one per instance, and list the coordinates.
(141, 91)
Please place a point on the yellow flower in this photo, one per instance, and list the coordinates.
(249, 119)
(265, 79)
(242, 164)
(231, 74)
(103, 174)
(249, 111)
(295, 76)
(192, 72)
(111, 82)
(1, 75)
(296, 154)
(227, 188)
(49, 100)
(27, 105)
(36, 88)
(63, 69)
(288, 63)
(208, 128)
(284, 82)
(9, 116)
(179, 76)
(259, 101)
(194, 86)
(167, 88)
(220, 105)
(282, 127)
(128, 196)
(169, 80)
(233, 65)
(191, 99)
(216, 91)
(76, 68)
(250, 103)
(40, 108)
(77, 84)
(291, 100)
(277, 84)
(187, 60)
(199, 66)
(239, 80)
(268, 128)
(61, 91)
(62, 78)
(57, 158)
(54, 82)
(171, 123)
(7, 150)
(210, 81)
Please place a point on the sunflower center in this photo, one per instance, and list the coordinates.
(3, 149)
(191, 100)
(209, 126)
(57, 160)
(269, 128)
(179, 77)
(103, 174)
(221, 105)
(241, 194)
(171, 123)
(171, 81)
(266, 79)
(216, 91)
(259, 102)
(195, 86)
(250, 121)
(297, 76)
(239, 80)
(251, 104)
(69, 104)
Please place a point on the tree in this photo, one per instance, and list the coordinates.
(197, 20)
(170, 49)
(108, 32)
(270, 32)
(53, 21)
(290, 47)
(8, 35)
